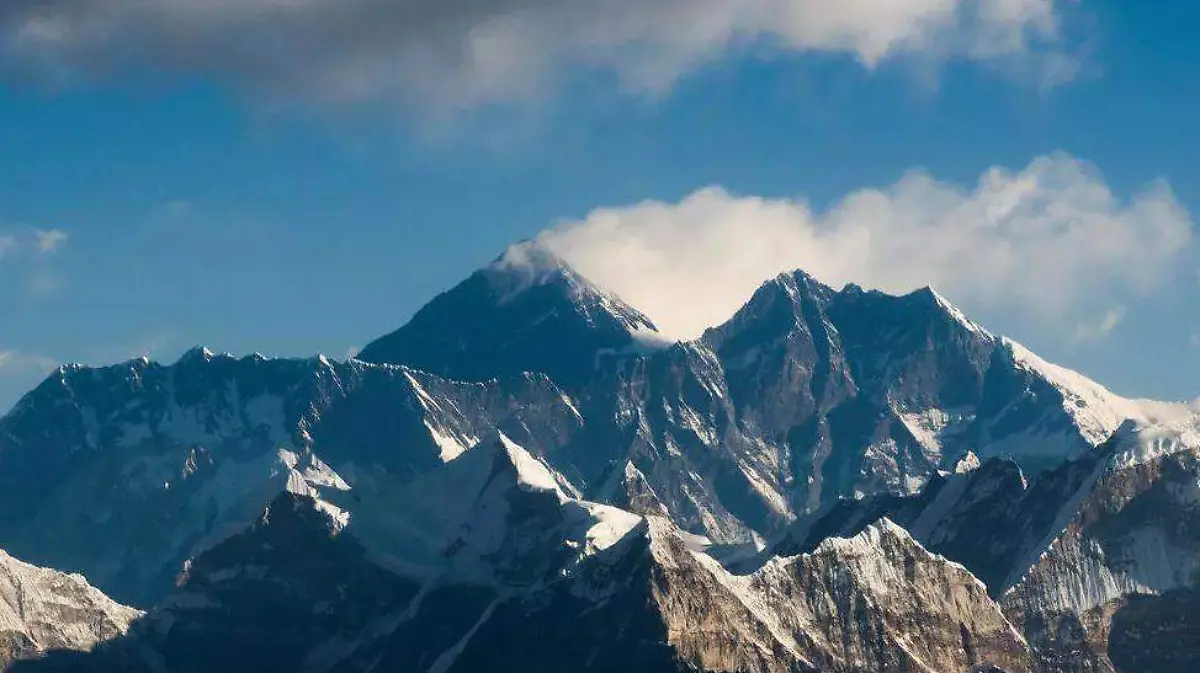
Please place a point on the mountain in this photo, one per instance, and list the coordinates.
(44, 610)
(1118, 585)
(1098, 560)
(527, 476)
(527, 311)
(649, 601)
(124, 473)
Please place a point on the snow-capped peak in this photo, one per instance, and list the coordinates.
(954, 312)
(532, 474)
(43, 609)
(526, 312)
(529, 264)
(525, 265)
(1097, 411)
(197, 353)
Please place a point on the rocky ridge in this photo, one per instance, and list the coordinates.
(760, 499)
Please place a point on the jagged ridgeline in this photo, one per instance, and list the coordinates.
(529, 477)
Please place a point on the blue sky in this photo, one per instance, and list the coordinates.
(175, 196)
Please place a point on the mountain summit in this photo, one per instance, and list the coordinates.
(528, 311)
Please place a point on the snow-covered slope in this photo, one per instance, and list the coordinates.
(1095, 411)
(43, 610)
(123, 473)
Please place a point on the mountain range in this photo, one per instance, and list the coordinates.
(528, 476)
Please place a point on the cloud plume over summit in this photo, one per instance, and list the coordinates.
(1051, 240)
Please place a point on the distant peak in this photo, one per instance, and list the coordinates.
(526, 311)
(525, 265)
(870, 540)
(795, 284)
(529, 256)
(196, 354)
(938, 301)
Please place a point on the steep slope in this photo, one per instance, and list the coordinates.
(43, 610)
(1107, 591)
(526, 312)
(1098, 560)
(295, 594)
(305, 588)
(653, 602)
(123, 473)
(988, 517)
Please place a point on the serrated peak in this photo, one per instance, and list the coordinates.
(196, 354)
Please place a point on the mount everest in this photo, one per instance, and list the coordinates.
(528, 477)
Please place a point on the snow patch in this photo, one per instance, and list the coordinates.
(531, 472)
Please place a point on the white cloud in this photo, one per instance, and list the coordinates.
(8, 243)
(19, 372)
(13, 361)
(1051, 240)
(1099, 330)
(49, 240)
(466, 52)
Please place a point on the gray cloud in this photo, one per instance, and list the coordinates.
(459, 53)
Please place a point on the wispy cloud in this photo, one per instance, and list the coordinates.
(8, 243)
(1051, 240)
(11, 360)
(1101, 329)
(20, 372)
(27, 254)
(461, 53)
(48, 241)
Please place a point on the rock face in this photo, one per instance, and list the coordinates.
(124, 473)
(43, 610)
(528, 311)
(1113, 589)
(528, 477)
(1094, 559)
(650, 602)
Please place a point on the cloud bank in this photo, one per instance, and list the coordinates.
(1051, 240)
(458, 53)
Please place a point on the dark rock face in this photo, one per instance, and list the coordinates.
(877, 602)
(1156, 634)
(528, 312)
